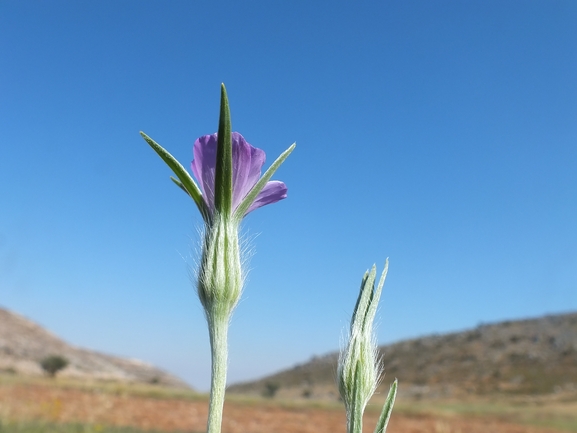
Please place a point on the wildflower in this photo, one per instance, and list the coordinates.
(228, 169)
(229, 172)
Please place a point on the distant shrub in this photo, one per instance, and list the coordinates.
(53, 364)
(270, 389)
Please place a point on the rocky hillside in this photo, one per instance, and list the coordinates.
(533, 356)
(23, 344)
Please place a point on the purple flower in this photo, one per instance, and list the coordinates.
(247, 162)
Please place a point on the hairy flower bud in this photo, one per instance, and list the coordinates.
(359, 367)
(220, 276)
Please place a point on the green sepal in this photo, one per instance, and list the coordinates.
(363, 282)
(179, 184)
(387, 409)
(375, 296)
(364, 301)
(223, 170)
(185, 181)
(357, 405)
(253, 193)
(368, 300)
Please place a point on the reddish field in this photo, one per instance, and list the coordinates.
(56, 404)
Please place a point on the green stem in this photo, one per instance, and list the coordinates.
(355, 421)
(218, 344)
(356, 407)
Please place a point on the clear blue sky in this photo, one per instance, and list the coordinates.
(442, 135)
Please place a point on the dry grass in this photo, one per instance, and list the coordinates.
(555, 413)
(113, 388)
(64, 406)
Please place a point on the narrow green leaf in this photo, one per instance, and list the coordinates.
(179, 184)
(251, 196)
(223, 171)
(387, 409)
(186, 181)
(359, 321)
(372, 311)
(363, 282)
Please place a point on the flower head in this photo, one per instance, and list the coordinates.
(229, 172)
(247, 162)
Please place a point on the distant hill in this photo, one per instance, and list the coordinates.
(23, 344)
(535, 356)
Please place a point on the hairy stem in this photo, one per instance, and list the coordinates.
(355, 421)
(218, 342)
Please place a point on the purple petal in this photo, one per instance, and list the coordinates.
(247, 162)
(204, 166)
(272, 192)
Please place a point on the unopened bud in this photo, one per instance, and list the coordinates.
(359, 367)
(220, 276)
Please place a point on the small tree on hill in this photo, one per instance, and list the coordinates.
(53, 364)
(270, 389)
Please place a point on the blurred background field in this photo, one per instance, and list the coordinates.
(67, 406)
(47, 427)
(515, 376)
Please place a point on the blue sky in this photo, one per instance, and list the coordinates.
(442, 135)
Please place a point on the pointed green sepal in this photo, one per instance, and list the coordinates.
(223, 170)
(387, 409)
(363, 283)
(364, 301)
(253, 193)
(375, 296)
(368, 300)
(185, 181)
(179, 184)
(357, 405)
